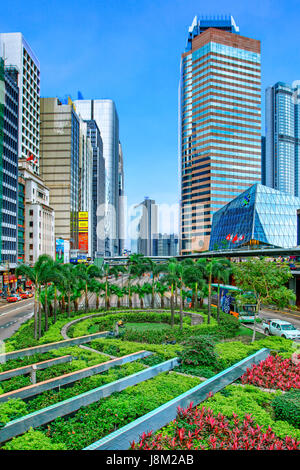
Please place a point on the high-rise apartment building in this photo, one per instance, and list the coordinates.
(220, 124)
(59, 165)
(105, 114)
(282, 137)
(17, 52)
(9, 107)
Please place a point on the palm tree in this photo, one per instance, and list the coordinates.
(68, 281)
(119, 292)
(172, 279)
(222, 272)
(35, 275)
(211, 268)
(161, 289)
(87, 273)
(135, 268)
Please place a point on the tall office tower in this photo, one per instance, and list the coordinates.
(59, 165)
(147, 227)
(121, 202)
(9, 105)
(17, 52)
(105, 114)
(282, 137)
(85, 219)
(98, 188)
(220, 124)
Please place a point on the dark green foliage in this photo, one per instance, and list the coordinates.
(198, 351)
(287, 407)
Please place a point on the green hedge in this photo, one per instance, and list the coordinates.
(33, 440)
(226, 329)
(118, 347)
(287, 407)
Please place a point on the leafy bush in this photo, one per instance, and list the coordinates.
(33, 440)
(12, 409)
(274, 372)
(250, 399)
(198, 351)
(287, 407)
(201, 429)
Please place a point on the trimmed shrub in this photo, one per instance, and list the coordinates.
(287, 407)
(12, 409)
(33, 440)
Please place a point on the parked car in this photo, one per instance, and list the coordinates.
(281, 328)
(24, 295)
(29, 293)
(13, 298)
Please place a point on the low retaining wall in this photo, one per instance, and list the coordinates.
(47, 347)
(156, 419)
(37, 366)
(65, 379)
(44, 416)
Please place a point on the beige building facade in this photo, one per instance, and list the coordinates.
(60, 165)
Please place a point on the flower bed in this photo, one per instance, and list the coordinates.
(201, 428)
(274, 373)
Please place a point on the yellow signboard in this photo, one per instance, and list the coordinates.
(83, 215)
(83, 224)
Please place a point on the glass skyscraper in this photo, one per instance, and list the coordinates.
(105, 114)
(282, 137)
(9, 106)
(220, 123)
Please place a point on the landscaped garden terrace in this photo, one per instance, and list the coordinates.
(96, 372)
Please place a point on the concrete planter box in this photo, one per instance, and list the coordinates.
(65, 379)
(66, 407)
(37, 366)
(48, 347)
(156, 419)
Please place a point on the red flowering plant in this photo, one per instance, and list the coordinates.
(202, 429)
(274, 373)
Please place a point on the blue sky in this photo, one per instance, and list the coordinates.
(129, 51)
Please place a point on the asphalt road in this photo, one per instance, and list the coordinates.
(291, 317)
(13, 315)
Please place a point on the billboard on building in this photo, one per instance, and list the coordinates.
(59, 250)
(83, 241)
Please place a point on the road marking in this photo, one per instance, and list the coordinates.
(10, 304)
(11, 311)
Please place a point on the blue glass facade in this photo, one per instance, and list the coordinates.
(282, 137)
(258, 216)
(9, 224)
